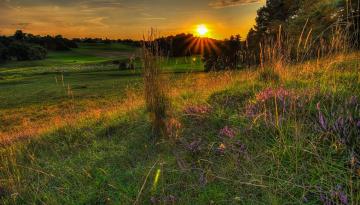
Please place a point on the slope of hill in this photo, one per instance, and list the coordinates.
(241, 137)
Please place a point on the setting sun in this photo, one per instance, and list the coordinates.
(202, 30)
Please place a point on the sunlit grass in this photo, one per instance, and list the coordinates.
(102, 143)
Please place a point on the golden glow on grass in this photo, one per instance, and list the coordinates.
(20, 123)
(202, 30)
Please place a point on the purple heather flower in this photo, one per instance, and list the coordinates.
(358, 124)
(197, 110)
(227, 132)
(194, 146)
(322, 121)
(343, 198)
(241, 146)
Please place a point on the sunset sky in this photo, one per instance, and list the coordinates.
(127, 18)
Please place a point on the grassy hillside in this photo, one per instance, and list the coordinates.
(35, 95)
(243, 137)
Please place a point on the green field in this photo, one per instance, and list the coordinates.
(239, 139)
(79, 76)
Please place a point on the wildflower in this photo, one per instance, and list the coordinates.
(197, 110)
(221, 149)
(227, 132)
(343, 198)
(241, 146)
(339, 195)
(280, 93)
(194, 146)
(325, 199)
(263, 105)
(358, 124)
(322, 120)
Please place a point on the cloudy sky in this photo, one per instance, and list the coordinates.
(127, 18)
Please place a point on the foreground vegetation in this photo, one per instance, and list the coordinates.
(283, 136)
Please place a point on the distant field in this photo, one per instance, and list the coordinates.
(86, 53)
(82, 76)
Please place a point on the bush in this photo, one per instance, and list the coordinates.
(37, 52)
(4, 54)
(24, 51)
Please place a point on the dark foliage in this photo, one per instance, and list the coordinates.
(57, 43)
(22, 46)
(178, 45)
(4, 53)
(25, 51)
(128, 42)
(325, 27)
(226, 56)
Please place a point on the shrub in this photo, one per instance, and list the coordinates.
(4, 53)
(24, 51)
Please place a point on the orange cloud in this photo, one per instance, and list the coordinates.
(231, 3)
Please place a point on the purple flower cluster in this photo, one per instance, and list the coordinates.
(240, 147)
(272, 105)
(322, 119)
(344, 122)
(227, 132)
(270, 93)
(194, 146)
(197, 110)
(227, 135)
(336, 196)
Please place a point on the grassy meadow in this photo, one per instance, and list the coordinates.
(74, 130)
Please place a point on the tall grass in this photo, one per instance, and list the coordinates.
(156, 99)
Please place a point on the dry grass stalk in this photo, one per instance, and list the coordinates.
(155, 95)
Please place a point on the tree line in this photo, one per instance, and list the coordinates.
(287, 30)
(292, 31)
(24, 46)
